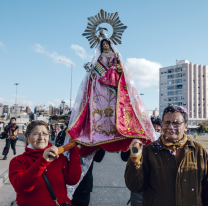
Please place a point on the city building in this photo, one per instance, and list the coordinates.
(154, 113)
(185, 84)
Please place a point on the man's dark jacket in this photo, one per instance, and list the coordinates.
(164, 183)
(86, 184)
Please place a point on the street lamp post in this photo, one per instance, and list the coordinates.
(141, 94)
(71, 79)
(16, 100)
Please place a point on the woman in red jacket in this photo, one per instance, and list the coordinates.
(25, 171)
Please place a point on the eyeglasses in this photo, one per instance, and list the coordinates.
(36, 135)
(175, 124)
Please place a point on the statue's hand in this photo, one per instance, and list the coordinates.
(109, 64)
(119, 70)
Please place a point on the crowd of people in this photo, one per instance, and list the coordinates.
(172, 170)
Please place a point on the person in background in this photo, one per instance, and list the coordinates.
(56, 130)
(81, 195)
(136, 197)
(27, 171)
(172, 170)
(52, 132)
(157, 124)
(12, 136)
(1, 126)
(24, 127)
(59, 141)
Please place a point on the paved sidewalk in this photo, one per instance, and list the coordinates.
(7, 193)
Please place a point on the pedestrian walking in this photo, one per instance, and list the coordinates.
(172, 170)
(56, 130)
(52, 131)
(32, 173)
(24, 127)
(11, 138)
(136, 197)
(1, 126)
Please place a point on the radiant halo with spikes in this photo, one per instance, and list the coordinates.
(104, 17)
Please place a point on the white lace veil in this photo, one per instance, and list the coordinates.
(141, 111)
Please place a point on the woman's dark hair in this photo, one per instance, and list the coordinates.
(157, 121)
(176, 108)
(101, 44)
(11, 119)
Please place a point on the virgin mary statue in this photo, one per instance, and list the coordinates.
(108, 111)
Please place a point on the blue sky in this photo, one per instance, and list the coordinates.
(35, 34)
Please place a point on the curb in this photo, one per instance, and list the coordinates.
(4, 177)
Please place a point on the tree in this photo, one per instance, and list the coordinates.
(202, 128)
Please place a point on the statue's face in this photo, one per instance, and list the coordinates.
(115, 61)
(106, 45)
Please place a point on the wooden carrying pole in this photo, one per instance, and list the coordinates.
(66, 147)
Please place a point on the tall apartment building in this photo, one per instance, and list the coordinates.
(185, 84)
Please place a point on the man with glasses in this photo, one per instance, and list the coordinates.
(172, 170)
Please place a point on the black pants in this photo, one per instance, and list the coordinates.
(81, 199)
(7, 146)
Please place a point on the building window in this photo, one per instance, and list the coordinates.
(165, 72)
(184, 80)
(161, 72)
(170, 93)
(161, 94)
(170, 76)
(170, 87)
(184, 68)
(179, 86)
(179, 92)
(165, 99)
(170, 82)
(179, 75)
(179, 81)
(184, 74)
(161, 83)
(179, 98)
(179, 103)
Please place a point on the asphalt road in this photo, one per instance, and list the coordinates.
(109, 186)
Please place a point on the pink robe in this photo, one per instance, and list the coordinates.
(111, 77)
(107, 119)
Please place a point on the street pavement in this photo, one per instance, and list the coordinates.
(7, 193)
(109, 186)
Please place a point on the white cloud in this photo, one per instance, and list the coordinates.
(80, 51)
(2, 46)
(55, 56)
(7, 101)
(50, 103)
(20, 102)
(20, 97)
(144, 72)
(28, 103)
(57, 102)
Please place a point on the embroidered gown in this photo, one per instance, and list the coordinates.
(106, 116)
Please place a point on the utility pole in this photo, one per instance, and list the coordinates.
(16, 100)
(71, 79)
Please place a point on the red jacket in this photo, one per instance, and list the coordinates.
(26, 177)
